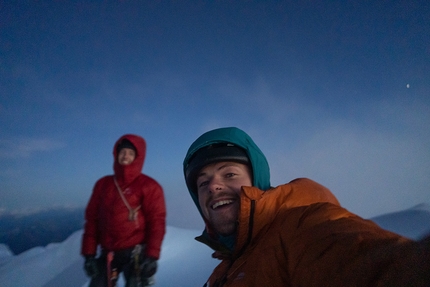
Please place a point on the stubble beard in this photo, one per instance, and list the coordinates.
(225, 224)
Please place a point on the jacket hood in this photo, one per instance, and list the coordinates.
(125, 174)
(259, 165)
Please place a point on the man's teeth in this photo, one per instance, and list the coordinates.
(222, 202)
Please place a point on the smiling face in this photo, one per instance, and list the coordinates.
(218, 187)
(126, 156)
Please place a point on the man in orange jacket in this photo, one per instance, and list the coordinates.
(296, 234)
(126, 217)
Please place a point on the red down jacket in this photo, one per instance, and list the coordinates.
(107, 217)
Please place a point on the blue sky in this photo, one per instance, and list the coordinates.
(337, 91)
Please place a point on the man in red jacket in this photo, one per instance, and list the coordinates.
(126, 217)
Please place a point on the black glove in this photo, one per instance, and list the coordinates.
(148, 267)
(90, 266)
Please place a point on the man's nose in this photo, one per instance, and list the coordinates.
(215, 185)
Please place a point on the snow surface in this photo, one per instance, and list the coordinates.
(183, 262)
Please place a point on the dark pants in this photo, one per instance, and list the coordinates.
(123, 263)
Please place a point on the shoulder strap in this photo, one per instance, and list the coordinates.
(132, 213)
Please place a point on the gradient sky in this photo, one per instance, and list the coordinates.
(336, 91)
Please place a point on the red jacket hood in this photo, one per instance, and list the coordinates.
(125, 174)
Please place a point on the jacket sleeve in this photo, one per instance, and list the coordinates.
(90, 237)
(410, 266)
(334, 246)
(155, 219)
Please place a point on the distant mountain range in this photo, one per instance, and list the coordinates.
(21, 232)
(24, 231)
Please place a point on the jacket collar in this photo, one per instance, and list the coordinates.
(259, 208)
(245, 229)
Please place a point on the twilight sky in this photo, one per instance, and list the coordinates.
(336, 91)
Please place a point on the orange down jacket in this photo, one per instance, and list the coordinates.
(297, 234)
(107, 221)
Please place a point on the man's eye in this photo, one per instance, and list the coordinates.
(230, 174)
(203, 183)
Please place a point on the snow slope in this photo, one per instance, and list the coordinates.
(184, 262)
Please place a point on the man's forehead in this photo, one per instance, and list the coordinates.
(127, 149)
(219, 166)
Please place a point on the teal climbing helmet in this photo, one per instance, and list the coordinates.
(225, 144)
